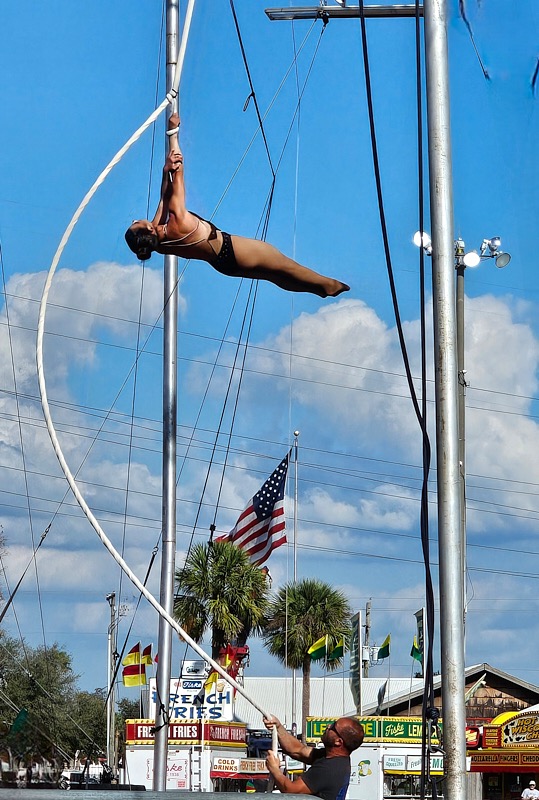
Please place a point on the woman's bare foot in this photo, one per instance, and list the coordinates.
(335, 288)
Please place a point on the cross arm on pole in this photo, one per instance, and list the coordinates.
(343, 12)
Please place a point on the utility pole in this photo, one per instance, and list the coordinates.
(460, 266)
(111, 669)
(365, 649)
(168, 531)
(446, 377)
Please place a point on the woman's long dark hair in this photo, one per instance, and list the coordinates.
(141, 243)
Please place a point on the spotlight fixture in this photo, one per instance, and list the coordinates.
(502, 260)
(423, 240)
(471, 259)
(490, 248)
(493, 245)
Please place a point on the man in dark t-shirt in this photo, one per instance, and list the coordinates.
(329, 772)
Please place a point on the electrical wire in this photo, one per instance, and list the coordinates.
(428, 696)
(43, 390)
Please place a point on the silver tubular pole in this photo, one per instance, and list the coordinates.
(446, 385)
(294, 676)
(461, 374)
(168, 534)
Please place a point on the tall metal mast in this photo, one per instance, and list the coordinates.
(446, 384)
(170, 327)
(446, 380)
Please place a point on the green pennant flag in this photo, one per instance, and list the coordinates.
(19, 722)
(319, 648)
(338, 651)
(383, 651)
(416, 652)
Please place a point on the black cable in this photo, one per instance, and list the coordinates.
(236, 401)
(138, 353)
(383, 223)
(428, 697)
(462, 11)
(253, 93)
(15, 590)
(534, 77)
(428, 667)
(53, 710)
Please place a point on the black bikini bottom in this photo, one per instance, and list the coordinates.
(225, 261)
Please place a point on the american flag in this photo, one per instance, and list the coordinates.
(261, 526)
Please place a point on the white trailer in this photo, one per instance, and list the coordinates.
(382, 771)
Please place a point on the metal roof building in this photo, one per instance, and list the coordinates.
(329, 697)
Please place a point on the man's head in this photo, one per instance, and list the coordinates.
(141, 239)
(532, 784)
(345, 733)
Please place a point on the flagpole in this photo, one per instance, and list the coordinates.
(296, 434)
(388, 681)
(295, 553)
(410, 692)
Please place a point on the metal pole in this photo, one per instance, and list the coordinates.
(294, 676)
(296, 434)
(460, 266)
(446, 379)
(343, 12)
(170, 327)
(366, 661)
(110, 680)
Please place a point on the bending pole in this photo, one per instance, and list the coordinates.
(45, 400)
(446, 386)
(168, 506)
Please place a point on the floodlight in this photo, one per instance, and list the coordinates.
(471, 259)
(502, 260)
(421, 239)
(494, 243)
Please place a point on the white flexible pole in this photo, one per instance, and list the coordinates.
(43, 388)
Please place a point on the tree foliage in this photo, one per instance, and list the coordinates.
(127, 709)
(299, 615)
(86, 730)
(219, 589)
(59, 719)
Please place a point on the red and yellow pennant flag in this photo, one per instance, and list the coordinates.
(133, 657)
(230, 661)
(211, 680)
(134, 675)
(147, 655)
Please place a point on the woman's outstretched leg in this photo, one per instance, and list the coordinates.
(260, 260)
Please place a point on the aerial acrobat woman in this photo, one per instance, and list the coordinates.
(176, 231)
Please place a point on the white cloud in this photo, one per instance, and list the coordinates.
(352, 398)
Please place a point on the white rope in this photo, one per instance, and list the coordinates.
(43, 388)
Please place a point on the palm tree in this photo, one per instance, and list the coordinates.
(299, 615)
(219, 589)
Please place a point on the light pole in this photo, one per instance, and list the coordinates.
(112, 657)
(490, 249)
(111, 662)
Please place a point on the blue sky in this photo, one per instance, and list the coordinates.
(83, 77)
